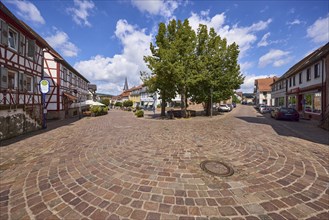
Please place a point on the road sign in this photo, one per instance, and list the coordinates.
(44, 86)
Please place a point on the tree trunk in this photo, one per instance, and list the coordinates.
(183, 104)
(208, 107)
(163, 105)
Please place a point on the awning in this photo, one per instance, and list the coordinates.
(69, 96)
(91, 102)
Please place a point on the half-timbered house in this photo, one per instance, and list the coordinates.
(68, 88)
(21, 67)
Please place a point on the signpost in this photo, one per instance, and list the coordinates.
(44, 89)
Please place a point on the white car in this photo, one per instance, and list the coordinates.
(224, 108)
(264, 109)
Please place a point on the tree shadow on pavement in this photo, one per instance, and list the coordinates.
(303, 129)
(51, 125)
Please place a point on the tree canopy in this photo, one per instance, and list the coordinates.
(200, 66)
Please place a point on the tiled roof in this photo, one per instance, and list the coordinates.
(264, 85)
(308, 60)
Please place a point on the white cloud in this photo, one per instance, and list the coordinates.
(319, 30)
(275, 58)
(249, 82)
(81, 11)
(28, 11)
(110, 72)
(157, 7)
(263, 42)
(60, 41)
(243, 36)
(294, 22)
(246, 65)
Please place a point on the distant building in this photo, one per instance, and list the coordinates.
(263, 90)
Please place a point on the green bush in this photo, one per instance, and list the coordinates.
(139, 113)
(127, 103)
(118, 104)
(99, 110)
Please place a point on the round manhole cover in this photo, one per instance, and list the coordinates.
(216, 168)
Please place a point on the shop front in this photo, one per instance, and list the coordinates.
(312, 106)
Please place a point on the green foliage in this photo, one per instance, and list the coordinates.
(118, 104)
(105, 101)
(235, 99)
(99, 110)
(127, 103)
(197, 65)
(139, 113)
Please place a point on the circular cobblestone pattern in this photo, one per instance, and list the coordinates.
(216, 168)
(118, 166)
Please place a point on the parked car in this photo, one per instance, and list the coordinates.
(224, 108)
(264, 109)
(230, 106)
(286, 113)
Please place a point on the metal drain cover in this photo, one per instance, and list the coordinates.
(216, 168)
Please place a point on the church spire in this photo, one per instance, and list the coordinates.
(125, 87)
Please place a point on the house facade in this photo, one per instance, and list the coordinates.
(306, 84)
(68, 88)
(263, 91)
(278, 93)
(21, 69)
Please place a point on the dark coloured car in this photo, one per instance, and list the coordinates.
(285, 113)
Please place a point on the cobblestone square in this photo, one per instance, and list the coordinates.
(118, 166)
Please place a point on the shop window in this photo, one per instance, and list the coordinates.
(312, 102)
(316, 71)
(308, 74)
(292, 102)
(281, 101)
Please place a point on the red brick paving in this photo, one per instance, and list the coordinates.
(121, 167)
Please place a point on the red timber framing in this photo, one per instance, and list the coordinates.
(21, 66)
(68, 88)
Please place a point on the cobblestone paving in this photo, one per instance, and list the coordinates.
(121, 167)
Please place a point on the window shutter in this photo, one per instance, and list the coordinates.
(3, 78)
(21, 44)
(20, 80)
(31, 48)
(4, 33)
(24, 82)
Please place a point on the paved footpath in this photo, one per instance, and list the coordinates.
(121, 167)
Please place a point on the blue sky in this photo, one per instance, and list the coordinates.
(105, 40)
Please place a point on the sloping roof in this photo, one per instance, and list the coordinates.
(264, 85)
(42, 42)
(308, 60)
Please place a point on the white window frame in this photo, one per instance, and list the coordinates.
(10, 72)
(15, 39)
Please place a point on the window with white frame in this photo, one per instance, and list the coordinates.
(12, 80)
(294, 80)
(316, 71)
(12, 39)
